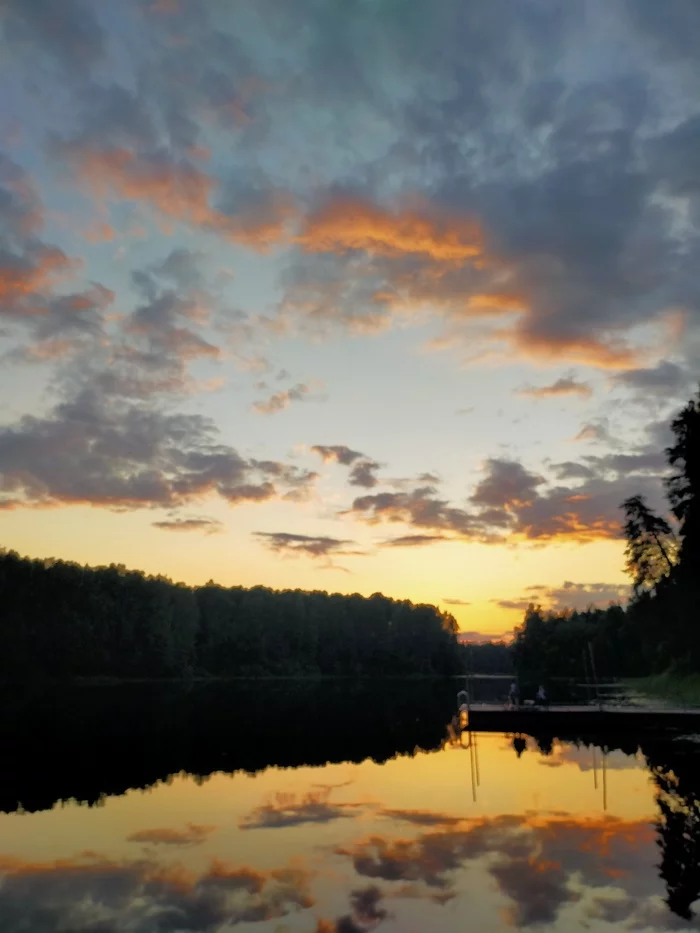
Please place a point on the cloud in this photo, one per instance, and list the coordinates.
(506, 485)
(367, 913)
(287, 810)
(365, 903)
(283, 542)
(175, 189)
(419, 508)
(538, 890)
(663, 378)
(421, 817)
(517, 605)
(141, 895)
(281, 400)
(345, 225)
(192, 835)
(362, 468)
(74, 39)
(564, 386)
(363, 472)
(510, 503)
(598, 433)
(97, 449)
(583, 595)
(414, 540)
(209, 526)
(568, 596)
(338, 454)
(456, 602)
(484, 638)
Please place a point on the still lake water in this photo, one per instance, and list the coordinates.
(330, 807)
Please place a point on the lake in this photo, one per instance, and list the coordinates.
(320, 807)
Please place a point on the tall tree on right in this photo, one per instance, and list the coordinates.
(651, 545)
(684, 486)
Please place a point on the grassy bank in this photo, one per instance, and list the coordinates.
(669, 687)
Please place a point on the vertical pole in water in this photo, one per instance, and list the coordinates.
(476, 760)
(471, 760)
(585, 674)
(595, 770)
(605, 779)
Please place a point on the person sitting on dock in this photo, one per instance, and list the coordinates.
(513, 696)
(541, 697)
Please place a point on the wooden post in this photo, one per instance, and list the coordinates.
(595, 676)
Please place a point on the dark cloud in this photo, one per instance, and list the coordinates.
(70, 33)
(518, 605)
(140, 896)
(572, 470)
(367, 913)
(284, 542)
(564, 386)
(363, 472)
(191, 835)
(537, 889)
(662, 378)
(456, 602)
(507, 484)
(414, 540)
(366, 905)
(362, 468)
(422, 817)
(289, 810)
(338, 454)
(510, 501)
(420, 508)
(97, 449)
(208, 525)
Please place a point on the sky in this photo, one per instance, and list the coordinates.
(353, 295)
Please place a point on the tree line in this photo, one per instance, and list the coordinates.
(659, 629)
(63, 620)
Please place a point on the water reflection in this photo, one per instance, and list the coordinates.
(315, 809)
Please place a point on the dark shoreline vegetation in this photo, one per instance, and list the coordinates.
(63, 621)
(658, 632)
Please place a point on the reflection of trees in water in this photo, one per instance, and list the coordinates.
(676, 773)
(103, 741)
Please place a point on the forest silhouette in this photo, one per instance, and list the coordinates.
(61, 621)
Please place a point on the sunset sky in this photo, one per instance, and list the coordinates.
(357, 295)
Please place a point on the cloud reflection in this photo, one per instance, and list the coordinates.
(94, 894)
(540, 865)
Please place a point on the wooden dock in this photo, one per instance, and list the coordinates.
(581, 720)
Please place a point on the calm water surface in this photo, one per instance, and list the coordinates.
(322, 808)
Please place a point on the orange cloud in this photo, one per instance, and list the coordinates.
(498, 302)
(181, 192)
(345, 224)
(189, 836)
(100, 233)
(579, 349)
(38, 272)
